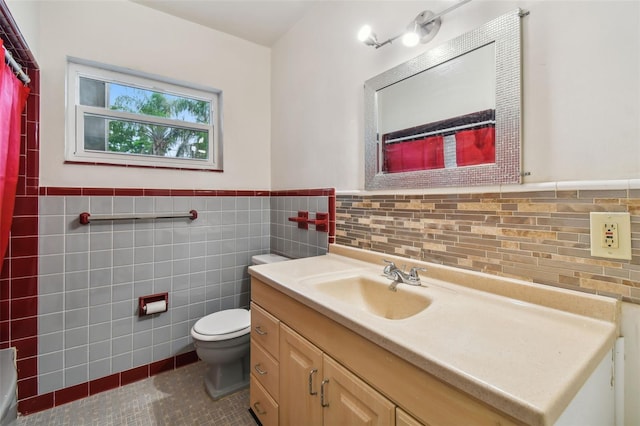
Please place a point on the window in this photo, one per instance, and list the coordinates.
(118, 116)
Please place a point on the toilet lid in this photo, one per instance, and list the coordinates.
(223, 322)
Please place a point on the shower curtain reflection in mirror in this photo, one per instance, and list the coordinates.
(441, 117)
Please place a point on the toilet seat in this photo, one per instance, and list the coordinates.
(222, 325)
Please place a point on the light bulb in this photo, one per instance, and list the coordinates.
(410, 39)
(365, 33)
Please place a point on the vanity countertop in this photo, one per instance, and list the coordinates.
(523, 348)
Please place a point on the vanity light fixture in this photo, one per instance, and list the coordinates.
(422, 29)
(367, 36)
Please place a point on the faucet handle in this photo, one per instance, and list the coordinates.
(413, 273)
(389, 269)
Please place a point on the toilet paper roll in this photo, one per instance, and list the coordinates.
(155, 307)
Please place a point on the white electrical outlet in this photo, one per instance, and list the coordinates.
(611, 235)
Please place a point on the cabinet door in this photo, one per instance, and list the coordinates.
(300, 376)
(404, 419)
(349, 401)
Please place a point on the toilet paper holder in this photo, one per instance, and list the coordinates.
(143, 301)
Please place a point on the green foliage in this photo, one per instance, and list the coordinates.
(159, 140)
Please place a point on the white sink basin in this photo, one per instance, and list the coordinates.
(372, 294)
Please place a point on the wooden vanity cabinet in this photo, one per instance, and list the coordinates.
(404, 419)
(350, 401)
(321, 392)
(265, 367)
(300, 378)
(262, 404)
(365, 381)
(265, 330)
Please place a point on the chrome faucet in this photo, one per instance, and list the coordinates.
(398, 276)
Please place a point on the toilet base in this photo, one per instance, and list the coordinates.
(224, 379)
(216, 393)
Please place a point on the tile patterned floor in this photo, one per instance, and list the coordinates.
(172, 398)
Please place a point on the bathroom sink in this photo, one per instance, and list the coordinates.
(372, 294)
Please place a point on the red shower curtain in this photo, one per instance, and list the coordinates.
(13, 96)
(476, 146)
(421, 154)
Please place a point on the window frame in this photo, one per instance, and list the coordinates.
(74, 138)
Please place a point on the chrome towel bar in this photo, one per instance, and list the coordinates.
(86, 218)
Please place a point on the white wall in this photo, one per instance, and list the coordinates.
(129, 35)
(25, 13)
(581, 90)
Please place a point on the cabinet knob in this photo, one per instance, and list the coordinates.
(259, 330)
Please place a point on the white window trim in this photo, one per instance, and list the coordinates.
(74, 141)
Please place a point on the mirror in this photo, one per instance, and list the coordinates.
(449, 117)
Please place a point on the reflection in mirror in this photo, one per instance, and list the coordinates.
(459, 132)
(449, 117)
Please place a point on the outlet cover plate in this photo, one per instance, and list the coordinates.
(622, 222)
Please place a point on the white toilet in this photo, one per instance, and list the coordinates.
(221, 340)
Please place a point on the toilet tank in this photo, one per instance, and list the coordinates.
(267, 258)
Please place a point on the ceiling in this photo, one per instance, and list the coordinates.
(260, 21)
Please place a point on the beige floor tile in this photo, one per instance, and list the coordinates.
(172, 398)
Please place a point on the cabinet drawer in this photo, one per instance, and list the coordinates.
(265, 369)
(265, 329)
(262, 404)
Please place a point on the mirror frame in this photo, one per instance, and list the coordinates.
(505, 32)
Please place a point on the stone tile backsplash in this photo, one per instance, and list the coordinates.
(541, 236)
